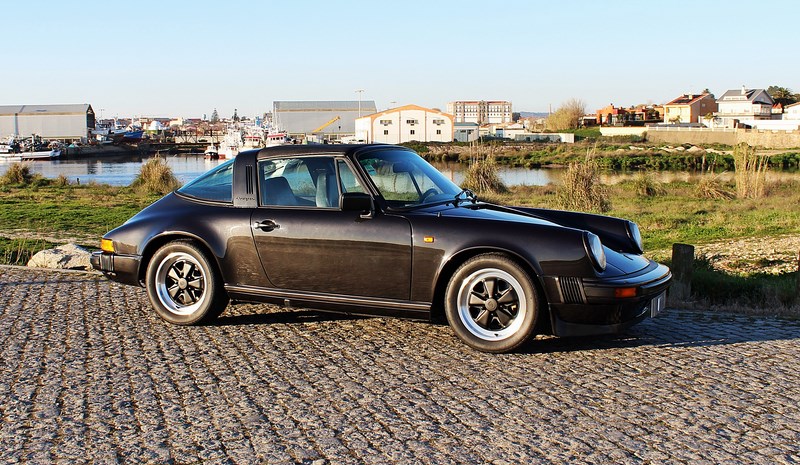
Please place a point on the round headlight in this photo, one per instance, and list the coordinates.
(595, 249)
(635, 236)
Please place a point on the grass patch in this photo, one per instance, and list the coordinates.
(71, 210)
(772, 293)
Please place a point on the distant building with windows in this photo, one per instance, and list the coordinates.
(690, 108)
(745, 104)
(481, 111)
(405, 124)
(466, 132)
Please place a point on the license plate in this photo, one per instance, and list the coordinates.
(658, 304)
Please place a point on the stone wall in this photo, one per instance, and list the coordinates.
(755, 138)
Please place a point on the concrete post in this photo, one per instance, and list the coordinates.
(797, 286)
(682, 265)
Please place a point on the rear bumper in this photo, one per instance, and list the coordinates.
(593, 308)
(120, 268)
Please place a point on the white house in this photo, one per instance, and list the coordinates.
(792, 111)
(405, 124)
(744, 104)
(507, 131)
(466, 132)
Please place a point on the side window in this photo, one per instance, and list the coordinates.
(216, 185)
(298, 182)
(396, 181)
(348, 179)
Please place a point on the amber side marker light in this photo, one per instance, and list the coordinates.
(622, 292)
(428, 239)
(107, 245)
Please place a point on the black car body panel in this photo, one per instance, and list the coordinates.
(389, 260)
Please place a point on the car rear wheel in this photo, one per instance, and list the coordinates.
(491, 303)
(183, 285)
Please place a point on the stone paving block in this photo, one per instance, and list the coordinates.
(89, 373)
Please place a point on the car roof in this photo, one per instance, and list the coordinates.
(336, 149)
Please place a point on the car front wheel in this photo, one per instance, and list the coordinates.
(183, 285)
(491, 304)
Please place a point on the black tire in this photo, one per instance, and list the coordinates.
(491, 304)
(184, 286)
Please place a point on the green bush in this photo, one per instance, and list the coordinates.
(483, 178)
(17, 174)
(155, 177)
(581, 188)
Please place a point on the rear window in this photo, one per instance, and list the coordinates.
(215, 185)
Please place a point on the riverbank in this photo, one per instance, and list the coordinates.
(619, 155)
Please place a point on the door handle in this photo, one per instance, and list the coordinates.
(266, 225)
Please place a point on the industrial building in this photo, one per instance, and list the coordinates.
(328, 119)
(50, 122)
(405, 124)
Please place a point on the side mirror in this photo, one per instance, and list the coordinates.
(358, 202)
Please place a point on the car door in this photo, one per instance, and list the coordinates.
(306, 243)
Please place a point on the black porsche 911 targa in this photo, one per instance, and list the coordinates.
(376, 230)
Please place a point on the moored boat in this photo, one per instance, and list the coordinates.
(212, 153)
(40, 154)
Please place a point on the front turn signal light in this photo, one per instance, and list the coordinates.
(107, 245)
(623, 292)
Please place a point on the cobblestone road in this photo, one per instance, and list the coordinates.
(89, 374)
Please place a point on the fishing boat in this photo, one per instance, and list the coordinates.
(40, 154)
(134, 135)
(277, 138)
(212, 152)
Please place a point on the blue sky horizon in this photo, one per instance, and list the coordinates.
(188, 58)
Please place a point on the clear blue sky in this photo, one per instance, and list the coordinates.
(178, 58)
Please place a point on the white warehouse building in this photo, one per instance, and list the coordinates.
(63, 122)
(405, 124)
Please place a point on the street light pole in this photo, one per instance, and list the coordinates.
(359, 92)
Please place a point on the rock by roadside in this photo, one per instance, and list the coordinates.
(68, 257)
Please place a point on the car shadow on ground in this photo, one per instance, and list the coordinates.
(675, 328)
(283, 316)
(679, 328)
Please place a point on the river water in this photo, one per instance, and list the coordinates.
(121, 170)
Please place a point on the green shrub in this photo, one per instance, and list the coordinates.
(751, 169)
(646, 185)
(155, 177)
(17, 174)
(710, 187)
(581, 188)
(483, 178)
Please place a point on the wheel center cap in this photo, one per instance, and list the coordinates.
(491, 305)
(182, 283)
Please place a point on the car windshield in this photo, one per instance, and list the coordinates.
(405, 180)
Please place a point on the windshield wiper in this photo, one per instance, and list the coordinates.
(468, 195)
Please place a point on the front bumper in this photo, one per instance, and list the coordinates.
(584, 307)
(117, 267)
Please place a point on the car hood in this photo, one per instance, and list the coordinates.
(486, 211)
(618, 263)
